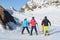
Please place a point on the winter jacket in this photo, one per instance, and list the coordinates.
(25, 23)
(33, 23)
(46, 22)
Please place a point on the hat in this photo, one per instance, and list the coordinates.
(45, 17)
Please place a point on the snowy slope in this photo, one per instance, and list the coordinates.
(16, 35)
(53, 14)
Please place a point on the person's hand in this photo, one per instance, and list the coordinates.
(37, 23)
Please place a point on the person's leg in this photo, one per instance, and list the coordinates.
(42, 28)
(23, 30)
(27, 29)
(45, 30)
(31, 30)
(36, 30)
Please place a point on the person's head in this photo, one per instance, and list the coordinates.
(25, 19)
(45, 17)
(32, 17)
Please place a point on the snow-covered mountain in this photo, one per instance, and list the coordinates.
(32, 8)
(33, 4)
(11, 10)
(53, 14)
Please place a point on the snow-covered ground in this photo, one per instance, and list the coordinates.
(16, 35)
(53, 14)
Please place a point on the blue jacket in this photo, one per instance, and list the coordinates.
(25, 23)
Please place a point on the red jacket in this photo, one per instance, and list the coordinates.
(33, 22)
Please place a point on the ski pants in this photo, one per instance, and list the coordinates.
(24, 29)
(33, 27)
(46, 29)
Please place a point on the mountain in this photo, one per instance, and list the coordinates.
(53, 14)
(11, 10)
(33, 4)
(51, 11)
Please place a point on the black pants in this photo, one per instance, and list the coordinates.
(33, 27)
(24, 29)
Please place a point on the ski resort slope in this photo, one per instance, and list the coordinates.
(53, 14)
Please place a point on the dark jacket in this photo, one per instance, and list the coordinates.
(46, 22)
(8, 17)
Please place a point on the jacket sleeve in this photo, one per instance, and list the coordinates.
(28, 23)
(49, 22)
(36, 22)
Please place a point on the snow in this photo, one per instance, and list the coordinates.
(53, 14)
(16, 35)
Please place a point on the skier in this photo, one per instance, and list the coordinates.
(1, 24)
(25, 25)
(33, 25)
(45, 23)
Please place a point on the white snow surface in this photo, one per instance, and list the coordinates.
(53, 14)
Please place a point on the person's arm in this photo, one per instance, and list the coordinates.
(36, 22)
(28, 23)
(49, 22)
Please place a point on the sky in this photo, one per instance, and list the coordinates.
(17, 4)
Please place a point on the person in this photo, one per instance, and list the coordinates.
(46, 23)
(5, 15)
(33, 25)
(25, 25)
